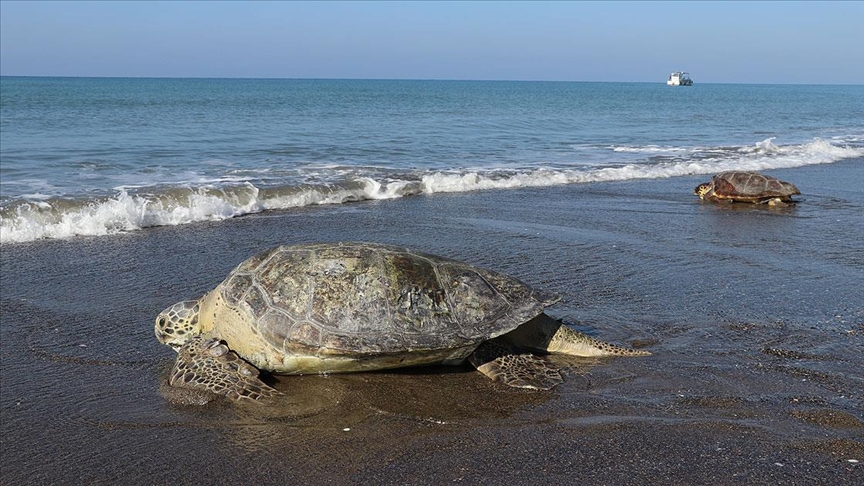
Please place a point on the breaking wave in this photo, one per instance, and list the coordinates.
(131, 209)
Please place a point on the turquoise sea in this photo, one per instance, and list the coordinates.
(98, 156)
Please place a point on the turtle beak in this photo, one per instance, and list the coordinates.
(163, 338)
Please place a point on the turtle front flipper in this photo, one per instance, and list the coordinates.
(501, 362)
(208, 364)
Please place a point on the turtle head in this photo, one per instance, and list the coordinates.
(178, 324)
(702, 189)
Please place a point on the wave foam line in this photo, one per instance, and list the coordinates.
(23, 221)
(764, 155)
(59, 218)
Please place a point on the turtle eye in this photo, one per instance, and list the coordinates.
(161, 321)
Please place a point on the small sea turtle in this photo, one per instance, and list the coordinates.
(751, 187)
(332, 308)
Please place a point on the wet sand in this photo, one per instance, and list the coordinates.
(755, 318)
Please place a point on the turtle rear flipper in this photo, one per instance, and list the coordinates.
(549, 335)
(208, 364)
(502, 363)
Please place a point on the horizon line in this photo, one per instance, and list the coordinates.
(406, 79)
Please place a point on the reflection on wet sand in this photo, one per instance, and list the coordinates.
(318, 406)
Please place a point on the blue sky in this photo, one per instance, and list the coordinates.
(721, 42)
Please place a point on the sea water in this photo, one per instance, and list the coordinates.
(98, 156)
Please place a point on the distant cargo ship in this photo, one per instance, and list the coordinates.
(679, 78)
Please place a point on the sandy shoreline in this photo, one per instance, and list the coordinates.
(753, 316)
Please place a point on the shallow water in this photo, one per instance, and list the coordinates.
(755, 317)
(99, 156)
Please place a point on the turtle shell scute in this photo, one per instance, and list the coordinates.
(418, 299)
(349, 293)
(251, 264)
(234, 288)
(476, 304)
(287, 281)
(257, 300)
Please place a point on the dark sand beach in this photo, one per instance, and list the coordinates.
(755, 318)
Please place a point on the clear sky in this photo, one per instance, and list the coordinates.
(721, 42)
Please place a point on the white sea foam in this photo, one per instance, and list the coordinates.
(768, 156)
(652, 149)
(37, 218)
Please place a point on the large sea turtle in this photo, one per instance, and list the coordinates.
(332, 308)
(751, 187)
